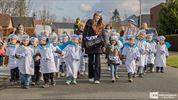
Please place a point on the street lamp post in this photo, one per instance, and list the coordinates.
(140, 21)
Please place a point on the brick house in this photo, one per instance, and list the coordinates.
(154, 15)
(5, 24)
(27, 22)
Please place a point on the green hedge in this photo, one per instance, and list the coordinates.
(173, 39)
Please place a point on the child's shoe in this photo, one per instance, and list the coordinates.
(68, 82)
(53, 84)
(134, 75)
(162, 70)
(91, 80)
(62, 74)
(86, 73)
(26, 87)
(130, 80)
(113, 80)
(11, 83)
(33, 83)
(141, 75)
(117, 77)
(82, 73)
(157, 69)
(74, 82)
(97, 82)
(45, 86)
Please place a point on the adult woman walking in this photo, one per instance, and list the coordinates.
(94, 31)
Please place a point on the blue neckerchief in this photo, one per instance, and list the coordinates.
(141, 40)
(168, 44)
(115, 47)
(63, 45)
(55, 44)
(130, 46)
(33, 46)
(150, 41)
(42, 46)
(73, 43)
(121, 39)
(11, 45)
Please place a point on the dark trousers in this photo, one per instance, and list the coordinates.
(37, 74)
(1, 60)
(62, 67)
(14, 74)
(48, 77)
(94, 66)
(150, 66)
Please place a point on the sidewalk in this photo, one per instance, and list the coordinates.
(140, 89)
(173, 53)
(4, 75)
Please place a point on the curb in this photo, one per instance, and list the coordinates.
(4, 82)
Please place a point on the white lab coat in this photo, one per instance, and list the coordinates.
(57, 59)
(83, 61)
(142, 46)
(161, 53)
(72, 55)
(10, 52)
(35, 49)
(151, 52)
(47, 62)
(25, 61)
(131, 54)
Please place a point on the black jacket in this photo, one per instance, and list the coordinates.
(88, 31)
(78, 32)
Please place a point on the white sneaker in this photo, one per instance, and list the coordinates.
(41, 78)
(91, 80)
(62, 74)
(97, 82)
(82, 73)
(86, 73)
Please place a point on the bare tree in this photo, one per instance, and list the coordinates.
(20, 8)
(14, 7)
(64, 20)
(46, 16)
(7, 6)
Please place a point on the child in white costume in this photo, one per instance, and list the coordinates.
(54, 41)
(161, 54)
(65, 39)
(12, 60)
(24, 54)
(83, 60)
(142, 46)
(131, 56)
(47, 62)
(36, 77)
(151, 52)
(72, 54)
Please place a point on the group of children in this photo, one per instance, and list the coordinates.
(139, 53)
(46, 57)
(29, 59)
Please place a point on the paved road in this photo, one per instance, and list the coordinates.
(164, 83)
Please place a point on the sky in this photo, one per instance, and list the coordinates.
(85, 8)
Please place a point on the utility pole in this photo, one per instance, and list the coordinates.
(140, 19)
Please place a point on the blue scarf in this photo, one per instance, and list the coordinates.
(115, 47)
(42, 46)
(11, 45)
(141, 40)
(64, 45)
(130, 46)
